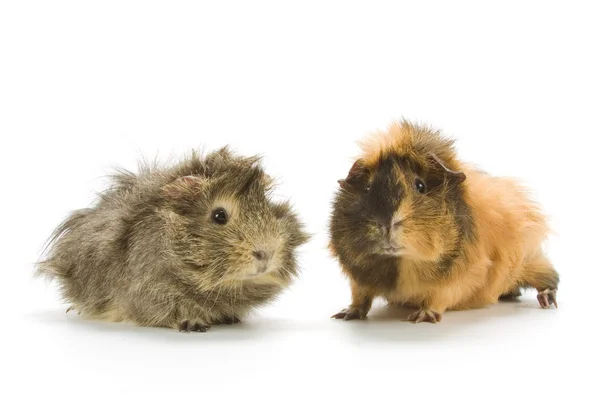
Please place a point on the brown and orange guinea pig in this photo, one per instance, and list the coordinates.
(415, 225)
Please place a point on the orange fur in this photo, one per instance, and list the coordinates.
(506, 253)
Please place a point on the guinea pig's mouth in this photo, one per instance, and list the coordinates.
(254, 275)
(257, 271)
(392, 251)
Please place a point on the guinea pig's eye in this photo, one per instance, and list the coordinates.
(419, 185)
(219, 216)
(367, 189)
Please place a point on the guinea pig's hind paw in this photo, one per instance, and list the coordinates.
(348, 314)
(191, 326)
(425, 315)
(547, 297)
(511, 295)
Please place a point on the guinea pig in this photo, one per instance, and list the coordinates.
(413, 224)
(184, 246)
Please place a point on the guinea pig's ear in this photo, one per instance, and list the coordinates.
(454, 176)
(358, 174)
(184, 188)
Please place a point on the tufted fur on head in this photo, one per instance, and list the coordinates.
(414, 224)
(196, 243)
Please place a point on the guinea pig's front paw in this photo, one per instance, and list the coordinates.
(425, 315)
(193, 326)
(547, 297)
(351, 313)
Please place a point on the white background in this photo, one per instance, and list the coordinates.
(87, 86)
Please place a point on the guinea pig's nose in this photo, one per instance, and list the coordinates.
(259, 255)
(383, 228)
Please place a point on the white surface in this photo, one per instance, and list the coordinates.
(85, 87)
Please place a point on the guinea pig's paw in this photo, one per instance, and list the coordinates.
(193, 326)
(351, 313)
(547, 297)
(227, 320)
(511, 295)
(425, 315)
(72, 308)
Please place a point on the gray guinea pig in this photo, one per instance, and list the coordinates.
(186, 246)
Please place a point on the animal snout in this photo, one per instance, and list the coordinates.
(260, 255)
(384, 228)
(387, 227)
(263, 258)
(263, 254)
(389, 231)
